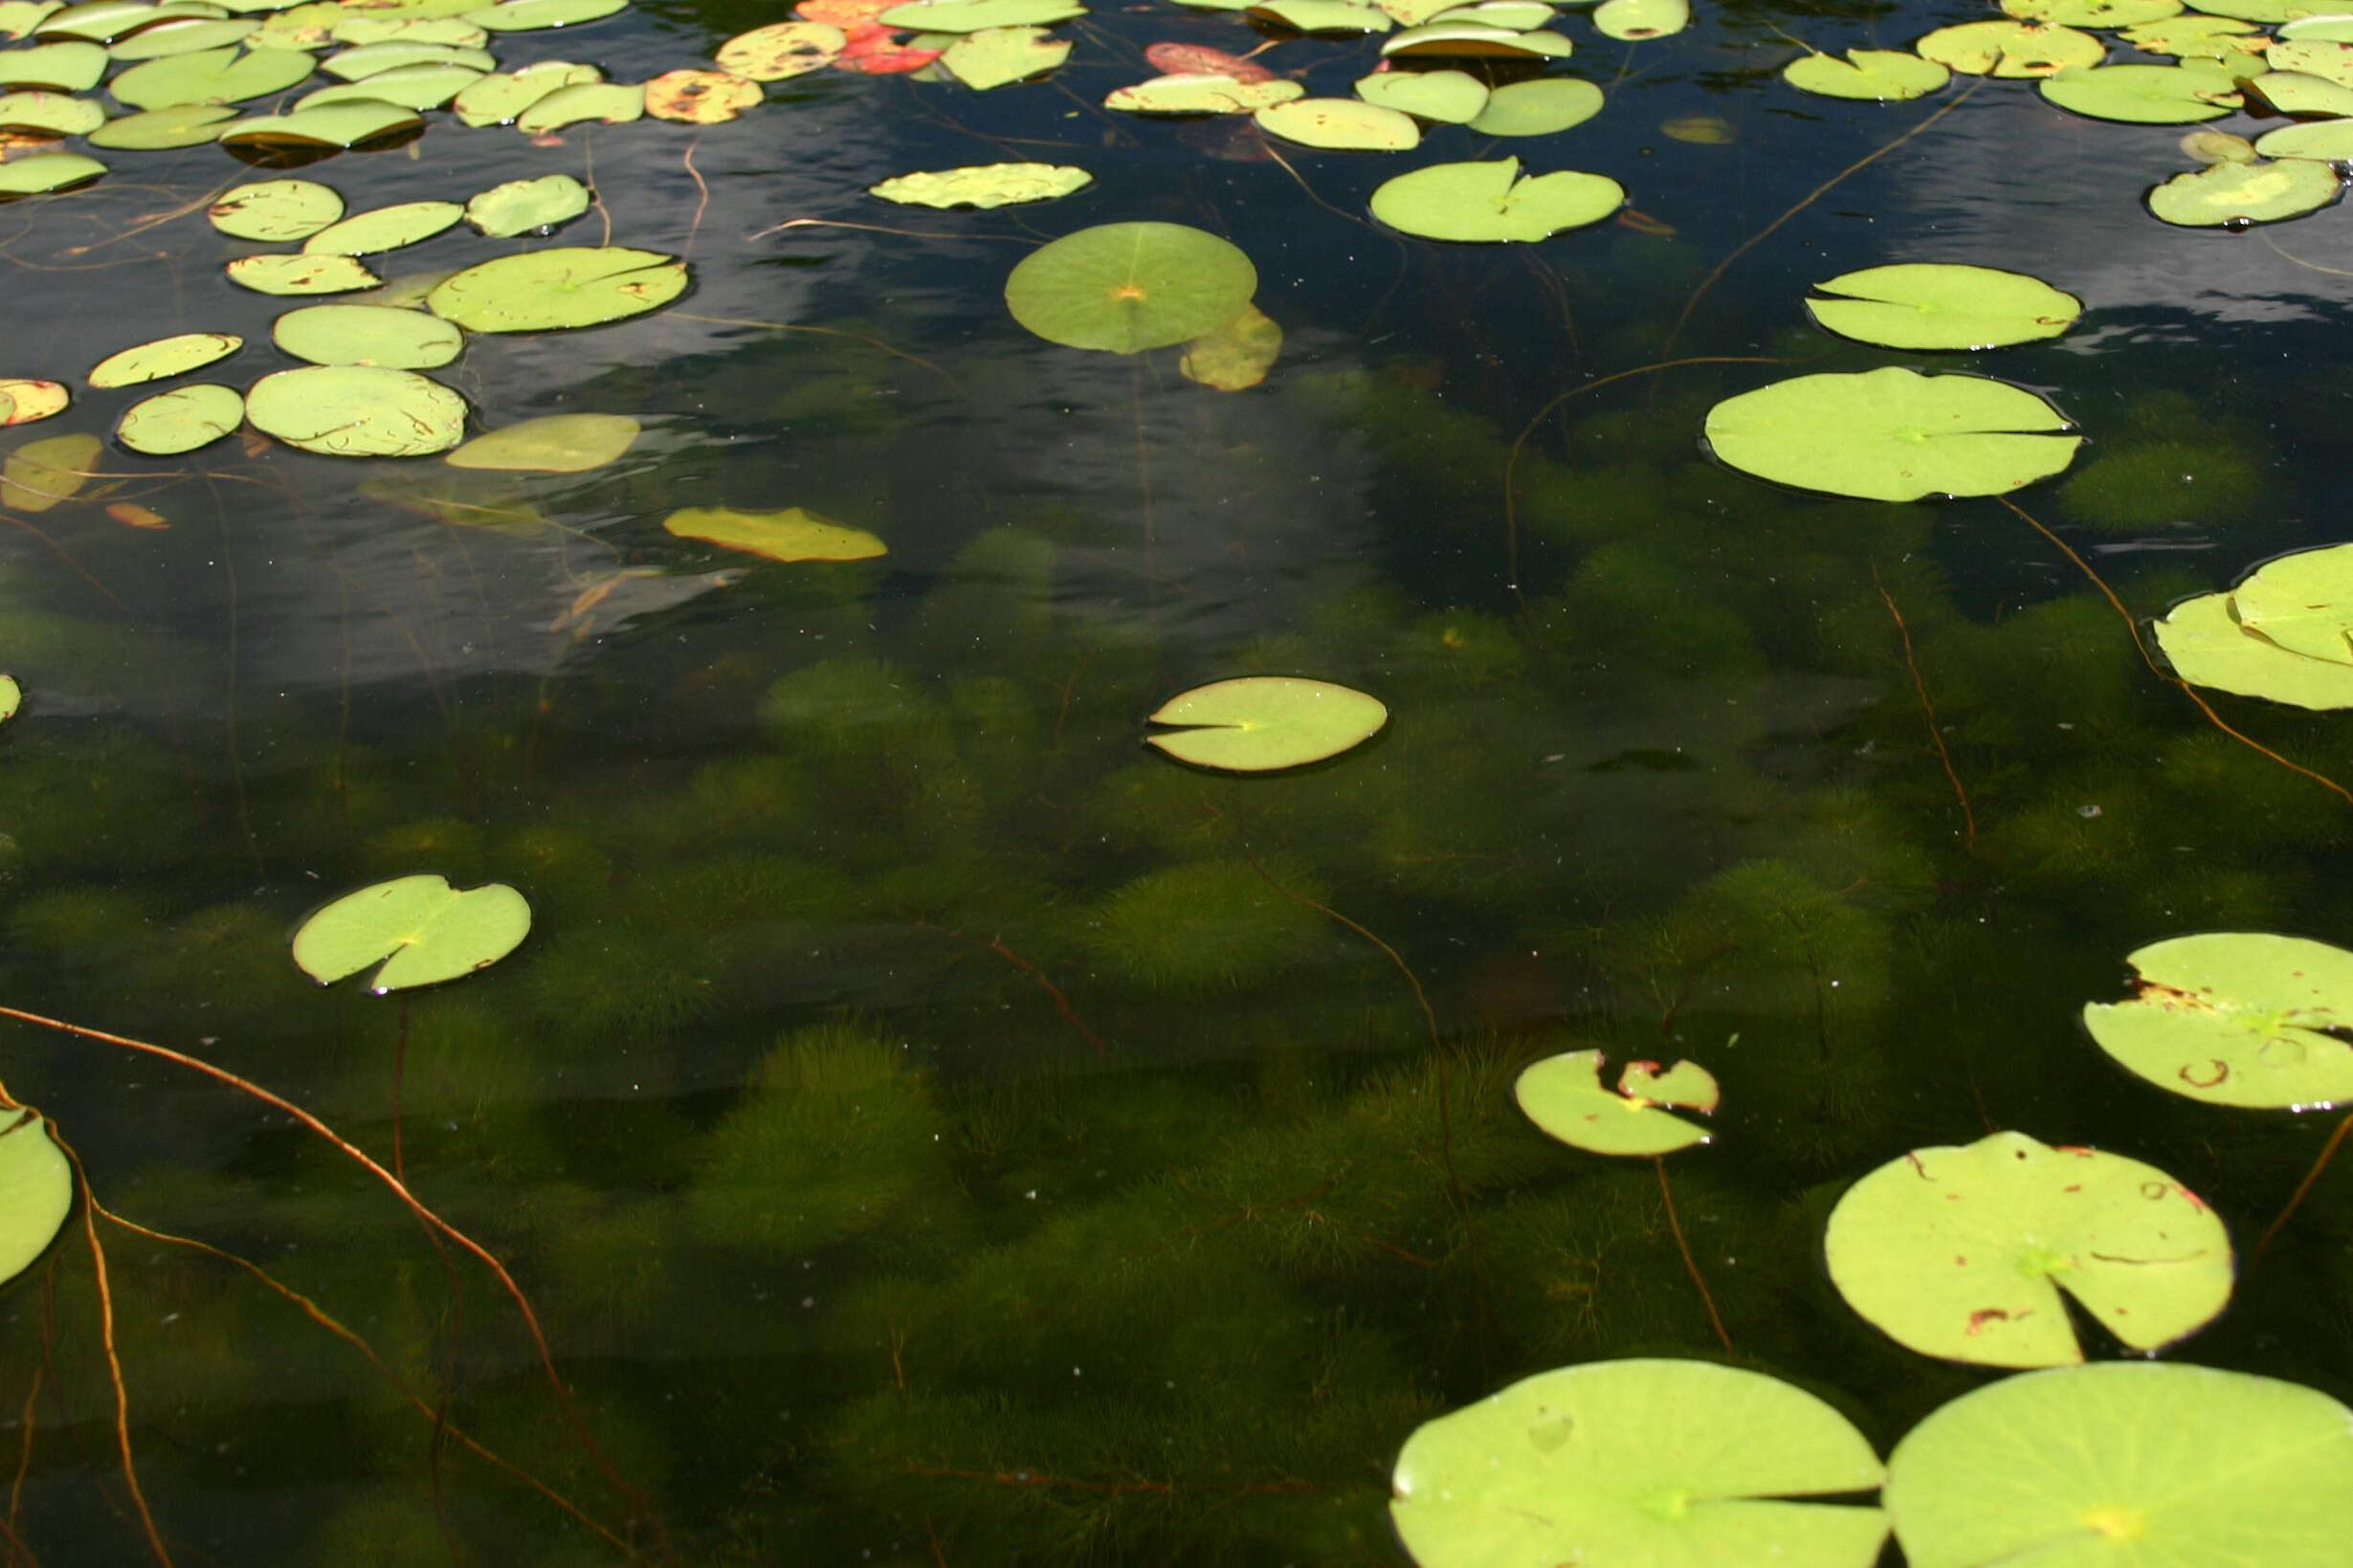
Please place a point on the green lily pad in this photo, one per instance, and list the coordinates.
(11, 696)
(1638, 1464)
(2324, 57)
(298, 274)
(1538, 106)
(523, 206)
(36, 1182)
(533, 15)
(1197, 93)
(50, 114)
(500, 98)
(1962, 1252)
(423, 929)
(1892, 435)
(1634, 20)
(357, 411)
(1440, 41)
(68, 67)
(183, 36)
(607, 102)
(350, 124)
(374, 59)
(2101, 13)
(2009, 49)
(2303, 602)
(997, 56)
(1265, 723)
(984, 186)
(2263, 10)
(2296, 94)
(41, 474)
(1873, 76)
(156, 130)
(172, 356)
(276, 211)
(1563, 1095)
(2211, 146)
(211, 76)
(1941, 305)
(384, 229)
(1325, 16)
(2146, 95)
(1236, 356)
(1491, 202)
(781, 50)
(2335, 26)
(2207, 647)
(794, 534)
(2328, 141)
(19, 17)
(370, 27)
(1519, 16)
(559, 288)
(972, 15)
(1451, 98)
(2192, 37)
(2236, 1018)
(46, 171)
(2127, 1464)
(180, 420)
(1340, 123)
(25, 400)
(1414, 12)
(1126, 287)
(417, 87)
(369, 335)
(555, 444)
(103, 21)
(2238, 194)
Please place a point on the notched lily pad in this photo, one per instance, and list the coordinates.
(1264, 724)
(1126, 287)
(699, 97)
(2009, 49)
(1538, 106)
(2236, 1018)
(1563, 1095)
(2144, 95)
(781, 50)
(2206, 645)
(1941, 305)
(423, 931)
(1235, 357)
(1633, 20)
(1492, 203)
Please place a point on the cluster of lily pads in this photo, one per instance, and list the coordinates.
(2220, 59)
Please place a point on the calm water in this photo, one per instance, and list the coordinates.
(932, 1128)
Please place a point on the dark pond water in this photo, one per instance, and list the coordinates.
(932, 1128)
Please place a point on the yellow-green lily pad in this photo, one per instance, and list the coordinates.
(984, 186)
(29, 399)
(417, 87)
(1201, 93)
(2011, 48)
(1452, 98)
(1325, 16)
(607, 102)
(2207, 647)
(1634, 20)
(41, 474)
(2146, 95)
(1872, 75)
(998, 55)
(781, 50)
(1563, 1095)
(559, 288)
(555, 443)
(50, 114)
(423, 930)
(2238, 1018)
(384, 335)
(523, 206)
(497, 98)
(1941, 305)
(36, 1182)
(65, 67)
(350, 124)
(211, 76)
(535, 15)
(1460, 40)
(357, 411)
(1492, 202)
(1538, 106)
(794, 534)
(972, 15)
(384, 229)
(2094, 13)
(181, 420)
(2235, 195)
(374, 59)
(276, 211)
(156, 130)
(1265, 723)
(1341, 123)
(45, 172)
(172, 356)
(1126, 287)
(1892, 435)
(293, 275)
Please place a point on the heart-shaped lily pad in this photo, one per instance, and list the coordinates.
(781, 50)
(1563, 1095)
(555, 443)
(1538, 106)
(1941, 305)
(556, 288)
(1126, 287)
(1452, 98)
(1263, 723)
(2146, 95)
(2236, 1018)
(417, 87)
(424, 930)
(36, 1185)
(211, 76)
(794, 534)
(1340, 123)
(2009, 49)
(502, 97)
(2207, 647)
(1492, 203)
(1892, 435)
(172, 356)
(999, 56)
(2193, 37)
(357, 411)
(180, 420)
(1962, 1251)
(607, 102)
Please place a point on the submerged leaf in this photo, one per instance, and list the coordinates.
(2236, 1018)
(424, 931)
(172, 356)
(794, 534)
(36, 1182)
(1892, 435)
(1235, 357)
(1126, 287)
(1263, 723)
(554, 444)
(41, 474)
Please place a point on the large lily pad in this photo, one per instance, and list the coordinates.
(794, 534)
(357, 411)
(2099, 13)
(47, 171)
(2329, 141)
(1325, 16)
(554, 444)
(2192, 37)
(2146, 95)
(502, 97)
(36, 1182)
(1126, 287)
(2294, 94)
(2127, 1464)
(1892, 435)
(2302, 601)
(180, 420)
(184, 35)
(523, 206)
(1340, 123)
(1638, 1464)
(1538, 106)
(1195, 93)
(1264, 724)
(384, 229)
(1941, 305)
(1962, 1251)
(2207, 647)
(276, 211)
(2233, 195)
(417, 87)
(984, 185)
(67, 67)
(1471, 40)
(2236, 1018)
(1563, 1095)
(211, 76)
(1492, 202)
(376, 58)
(423, 930)
(2009, 49)
(350, 124)
(369, 335)
(172, 356)
(562, 287)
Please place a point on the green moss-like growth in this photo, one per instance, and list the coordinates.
(2133, 489)
(1212, 925)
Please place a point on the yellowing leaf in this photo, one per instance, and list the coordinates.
(794, 534)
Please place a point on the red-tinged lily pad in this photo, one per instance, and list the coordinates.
(26, 399)
(1200, 59)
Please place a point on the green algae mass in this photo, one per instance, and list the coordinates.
(2140, 486)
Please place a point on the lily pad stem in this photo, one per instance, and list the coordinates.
(1691, 1264)
(2295, 1198)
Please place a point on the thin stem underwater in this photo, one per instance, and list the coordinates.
(1691, 1264)
(2303, 1188)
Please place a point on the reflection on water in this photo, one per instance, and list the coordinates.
(932, 1128)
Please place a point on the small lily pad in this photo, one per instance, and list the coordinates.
(1563, 1095)
(45, 172)
(2194, 36)
(1634, 20)
(1880, 76)
(370, 334)
(781, 50)
(357, 411)
(1452, 98)
(984, 186)
(1126, 287)
(11, 696)
(294, 274)
(180, 420)
(29, 399)
(275, 210)
(2207, 647)
(555, 444)
(1235, 357)
(424, 930)
(1265, 723)
(999, 56)
(558, 288)
(50, 114)
(41, 474)
(1340, 123)
(156, 130)
(607, 102)
(1199, 94)
(1492, 202)
(2238, 194)
(1962, 1252)
(2236, 1018)
(172, 356)
(699, 97)
(1892, 435)
(523, 206)
(36, 1182)
(794, 534)
(1538, 106)
(2146, 95)
(2009, 49)
(384, 229)
(1941, 305)
(2213, 147)
(2323, 57)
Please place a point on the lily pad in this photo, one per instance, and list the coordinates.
(972, 15)
(1126, 287)
(1563, 1095)
(1962, 1252)
(523, 206)
(535, 15)
(374, 59)
(172, 356)
(368, 335)
(2265, 11)
(1941, 305)
(2235, 195)
(2302, 601)
(1634, 20)
(18, 18)
(424, 930)
(2323, 57)
(2207, 647)
(555, 444)
(29, 399)
(2099, 13)
(607, 102)
(156, 130)
(1235, 357)
(2146, 95)
(500, 98)
(1452, 98)
(1492, 202)
(794, 534)
(1340, 123)
(357, 411)
(1638, 1464)
(781, 50)
(47, 171)
(384, 229)
(1325, 16)
(1265, 723)
(1521, 16)
(10, 696)
(2337, 26)
(296, 275)
(1197, 94)
(2009, 49)
(50, 114)
(984, 186)
(180, 420)
(41, 474)
(1538, 106)
(350, 124)
(699, 97)
(275, 210)
(998, 55)
(2294, 93)
(2328, 141)
(2193, 37)
(2128, 1464)
(417, 87)
(1892, 435)
(211, 76)
(559, 288)
(66, 67)
(1451, 40)
(373, 27)
(36, 1182)
(2236, 1018)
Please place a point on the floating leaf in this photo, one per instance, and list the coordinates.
(1452, 98)
(291, 274)
(10, 696)
(423, 929)
(608, 103)
(384, 229)
(2127, 1464)
(351, 125)
(357, 411)
(419, 87)
(41, 474)
(972, 15)
(997, 56)
(1562, 1095)
(2238, 194)
(1962, 1252)
(1638, 1464)
(1235, 357)
(2208, 647)
(1941, 305)
(36, 1182)
(180, 420)
(2146, 95)
(50, 114)
(984, 185)
(1452, 40)
(2101, 13)
(211, 76)
(555, 444)
(1491, 202)
(27, 400)
(1883, 75)
(371, 27)
(2009, 49)
(2302, 601)
(1326, 17)
(499, 98)
(1633, 20)
(1126, 287)
(172, 356)
(62, 67)
(46, 171)
(369, 335)
(562, 287)
(1538, 106)
(2236, 1018)
(2329, 141)
(532, 16)
(699, 97)
(275, 210)
(781, 49)
(1342, 124)
(18, 18)
(1200, 95)
(1264, 724)
(101, 21)
(2323, 57)
(183, 125)
(374, 59)
(2192, 37)
(521, 206)
(2337, 26)
(1519, 16)
(1892, 435)
(790, 535)
(2292, 93)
